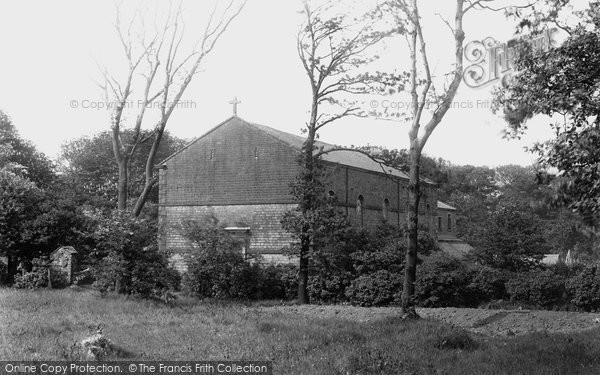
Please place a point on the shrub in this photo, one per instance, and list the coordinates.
(488, 284)
(584, 288)
(3, 273)
(541, 288)
(375, 289)
(329, 287)
(443, 281)
(127, 259)
(221, 273)
(277, 281)
(37, 278)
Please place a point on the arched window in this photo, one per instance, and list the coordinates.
(449, 223)
(386, 209)
(360, 203)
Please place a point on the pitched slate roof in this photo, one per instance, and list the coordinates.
(342, 157)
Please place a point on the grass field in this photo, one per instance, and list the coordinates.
(43, 325)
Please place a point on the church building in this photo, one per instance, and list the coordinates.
(242, 172)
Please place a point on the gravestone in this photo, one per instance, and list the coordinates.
(63, 264)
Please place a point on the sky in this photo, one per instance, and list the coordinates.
(51, 52)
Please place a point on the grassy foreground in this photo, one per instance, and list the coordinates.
(43, 325)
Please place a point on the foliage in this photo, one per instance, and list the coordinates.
(216, 266)
(36, 278)
(88, 164)
(443, 281)
(278, 282)
(127, 260)
(512, 239)
(3, 273)
(488, 284)
(22, 155)
(584, 288)
(560, 82)
(378, 288)
(541, 288)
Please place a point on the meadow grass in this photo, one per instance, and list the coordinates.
(43, 325)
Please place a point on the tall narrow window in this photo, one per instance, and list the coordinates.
(386, 209)
(428, 218)
(440, 224)
(212, 154)
(449, 223)
(360, 202)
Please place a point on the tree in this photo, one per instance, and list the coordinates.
(87, 164)
(421, 90)
(330, 48)
(23, 156)
(562, 82)
(145, 56)
(512, 239)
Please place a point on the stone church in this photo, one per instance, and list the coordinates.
(241, 173)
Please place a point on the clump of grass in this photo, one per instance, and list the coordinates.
(456, 340)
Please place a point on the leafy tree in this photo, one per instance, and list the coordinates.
(87, 165)
(562, 82)
(23, 155)
(330, 48)
(512, 239)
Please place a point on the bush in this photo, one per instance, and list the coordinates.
(221, 273)
(488, 284)
(329, 287)
(37, 278)
(127, 259)
(443, 281)
(584, 288)
(375, 289)
(541, 288)
(3, 273)
(278, 282)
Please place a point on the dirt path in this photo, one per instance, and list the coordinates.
(490, 322)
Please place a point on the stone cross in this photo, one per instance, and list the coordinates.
(235, 103)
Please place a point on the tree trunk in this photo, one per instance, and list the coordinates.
(410, 269)
(303, 271)
(150, 179)
(122, 185)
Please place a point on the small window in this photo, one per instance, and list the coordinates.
(360, 202)
(256, 153)
(449, 223)
(212, 154)
(386, 209)
(440, 223)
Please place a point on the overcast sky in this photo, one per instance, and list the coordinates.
(48, 71)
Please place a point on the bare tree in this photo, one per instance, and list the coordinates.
(160, 61)
(330, 48)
